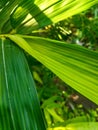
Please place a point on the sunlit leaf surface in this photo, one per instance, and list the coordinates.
(78, 67)
(79, 126)
(24, 16)
(75, 65)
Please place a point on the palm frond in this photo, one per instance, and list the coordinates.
(19, 105)
(75, 65)
(26, 16)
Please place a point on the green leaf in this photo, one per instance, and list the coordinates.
(37, 77)
(5, 12)
(43, 13)
(78, 126)
(26, 16)
(75, 65)
(53, 113)
(78, 119)
(58, 10)
(83, 126)
(19, 105)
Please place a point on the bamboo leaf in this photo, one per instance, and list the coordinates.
(75, 65)
(19, 105)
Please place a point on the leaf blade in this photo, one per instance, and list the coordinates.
(78, 126)
(75, 65)
(19, 105)
(31, 15)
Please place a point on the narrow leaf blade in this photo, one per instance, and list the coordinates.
(19, 105)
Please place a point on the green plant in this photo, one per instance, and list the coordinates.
(77, 66)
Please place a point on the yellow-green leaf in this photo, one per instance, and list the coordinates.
(75, 65)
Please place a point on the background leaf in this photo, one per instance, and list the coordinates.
(78, 126)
